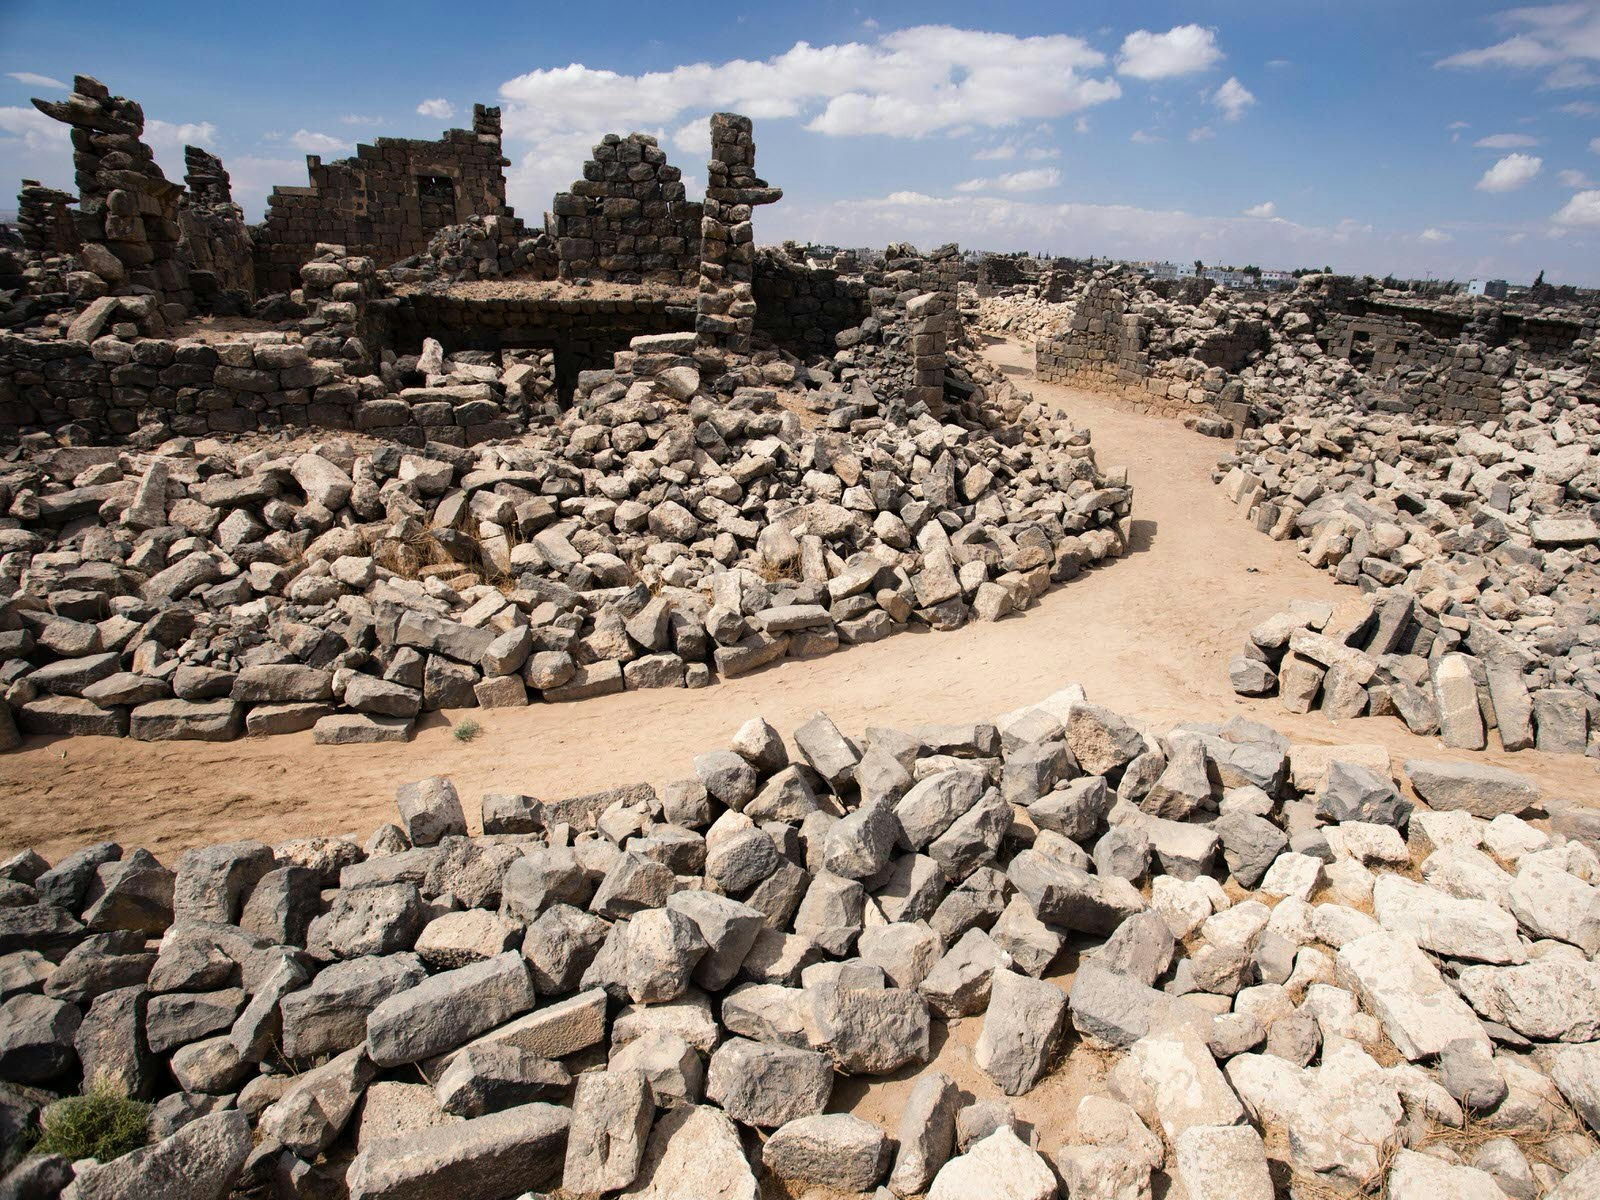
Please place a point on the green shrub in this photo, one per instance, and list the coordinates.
(102, 1123)
(465, 731)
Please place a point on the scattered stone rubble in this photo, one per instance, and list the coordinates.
(654, 533)
(1476, 548)
(1302, 979)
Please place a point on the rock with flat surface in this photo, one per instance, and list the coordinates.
(201, 1161)
(768, 1085)
(1445, 924)
(1478, 788)
(1403, 989)
(694, 1153)
(836, 1151)
(1223, 1162)
(999, 1167)
(926, 1133)
(449, 1009)
(488, 1158)
(611, 1116)
(1021, 1031)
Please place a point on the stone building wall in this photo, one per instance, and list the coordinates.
(628, 220)
(803, 309)
(387, 201)
(44, 219)
(125, 204)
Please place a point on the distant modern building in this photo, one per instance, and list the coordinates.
(1167, 270)
(1492, 289)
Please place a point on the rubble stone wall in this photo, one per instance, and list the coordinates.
(804, 309)
(387, 201)
(628, 219)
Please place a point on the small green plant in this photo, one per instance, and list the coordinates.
(465, 731)
(103, 1123)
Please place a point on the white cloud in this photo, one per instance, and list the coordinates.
(1081, 125)
(1140, 137)
(1036, 180)
(1505, 141)
(438, 108)
(1182, 50)
(694, 138)
(1265, 209)
(361, 119)
(1561, 37)
(1582, 209)
(908, 83)
(1040, 153)
(1575, 179)
(1435, 236)
(34, 130)
(1232, 98)
(168, 134)
(33, 79)
(1278, 64)
(1579, 108)
(1203, 133)
(1510, 173)
(316, 143)
(998, 153)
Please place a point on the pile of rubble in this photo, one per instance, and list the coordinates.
(1381, 654)
(1478, 548)
(1297, 978)
(496, 247)
(656, 531)
(1018, 313)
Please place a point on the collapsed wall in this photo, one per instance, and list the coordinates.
(629, 219)
(387, 201)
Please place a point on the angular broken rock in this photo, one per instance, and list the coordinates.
(611, 1116)
(926, 1133)
(837, 1151)
(491, 1076)
(1478, 788)
(449, 1009)
(1021, 1031)
(501, 1154)
(999, 1167)
(1397, 982)
(768, 1085)
(694, 1153)
(430, 810)
(201, 1161)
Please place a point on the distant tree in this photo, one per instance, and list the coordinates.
(1539, 280)
(1327, 270)
(1199, 267)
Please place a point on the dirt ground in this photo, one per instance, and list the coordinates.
(1149, 635)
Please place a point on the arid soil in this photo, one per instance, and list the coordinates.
(1149, 635)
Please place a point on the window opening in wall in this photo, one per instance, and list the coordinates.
(436, 196)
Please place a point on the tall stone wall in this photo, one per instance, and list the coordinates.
(726, 311)
(44, 219)
(628, 220)
(125, 204)
(217, 243)
(387, 201)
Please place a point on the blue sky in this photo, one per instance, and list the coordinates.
(1419, 136)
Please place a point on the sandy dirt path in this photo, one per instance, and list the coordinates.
(1149, 635)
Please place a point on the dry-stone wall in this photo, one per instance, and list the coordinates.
(628, 219)
(1291, 976)
(387, 201)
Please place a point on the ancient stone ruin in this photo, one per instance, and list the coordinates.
(395, 455)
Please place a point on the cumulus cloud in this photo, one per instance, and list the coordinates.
(1040, 153)
(1510, 173)
(33, 79)
(33, 130)
(1143, 137)
(1202, 133)
(171, 135)
(1182, 50)
(928, 80)
(1583, 210)
(998, 153)
(694, 138)
(1434, 235)
(1265, 209)
(438, 108)
(316, 143)
(1574, 179)
(1036, 180)
(1505, 141)
(1232, 98)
